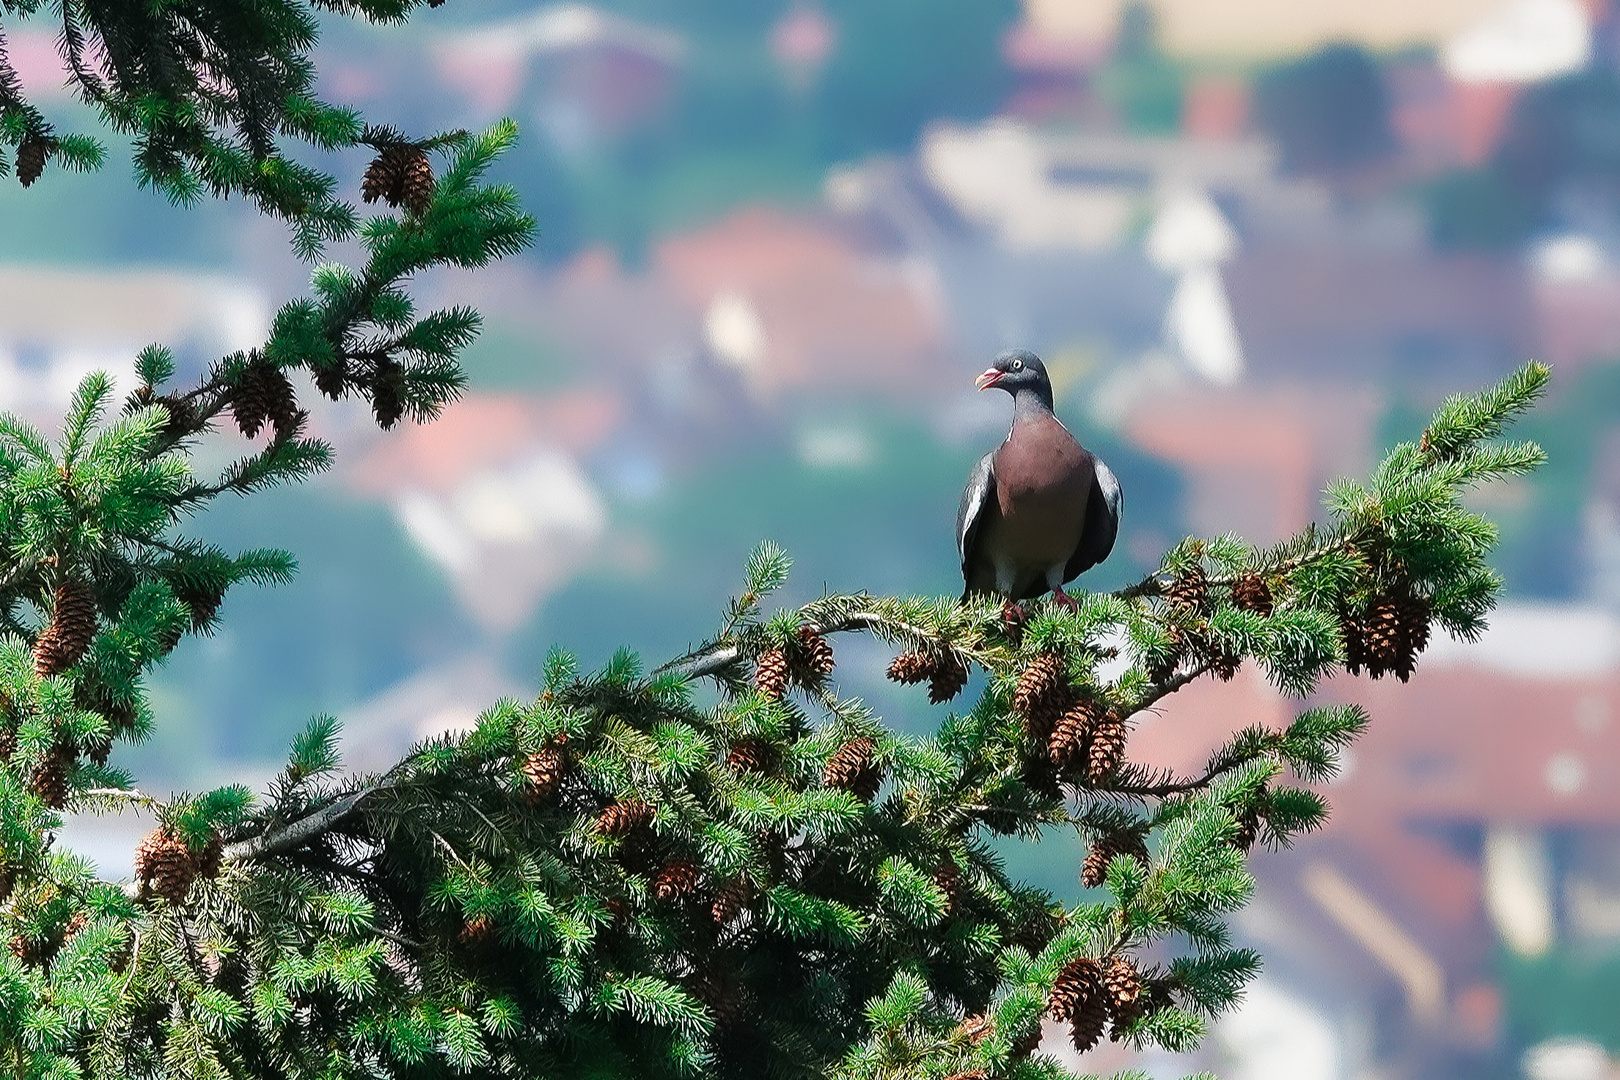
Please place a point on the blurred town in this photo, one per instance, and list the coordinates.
(1255, 240)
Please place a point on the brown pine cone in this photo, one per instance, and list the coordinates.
(1041, 690)
(1414, 614)
(331, 380)
(1385, 644)
(416, 190)
(388, 393)
(751, 755)
(1104, 849)
(72, 627)
(949, 676)
(1251, 593)
(1355, 641)
(676, 881)
(1107, 749)
(911, 668)
(771, 674)
(1225, 665)
(1090, 1022)
(164, 866)
(809, 658)
(8, 742)
(543, 773)
(853, 769)
(1248, 830)
(1076, 986)
(729, 900)
(49, 779)
(970, 1074)
(395, 175)
(1124, 987)
(477, 930)
(1190, 591)
(950, 881)
(31, 155)
(211, 858)
(26, 949)
(975, 1029)
(624, 818)
(1027, 1043)
(76, 922)
(1068, 739)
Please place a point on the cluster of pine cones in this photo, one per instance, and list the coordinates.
(1188, 597)
(944, 672)
(1088, 994)
(165, 865)
(1077, 732)
(1386, 636)
(264, 395)
(400, 175)
(806, 660)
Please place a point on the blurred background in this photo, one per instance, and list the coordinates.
(1255, 240)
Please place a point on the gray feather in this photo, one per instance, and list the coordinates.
(1102, 522)
(980, 490)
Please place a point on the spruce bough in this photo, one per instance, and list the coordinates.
(719, 867)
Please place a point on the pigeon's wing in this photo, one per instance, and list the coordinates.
(1102, 521)
(979, 493)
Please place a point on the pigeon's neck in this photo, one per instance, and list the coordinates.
(1031, 403)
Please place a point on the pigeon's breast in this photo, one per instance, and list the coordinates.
(1043, 479)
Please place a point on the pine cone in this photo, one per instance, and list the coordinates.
(751, 755)
(331, 380)
(477, 930)
(1385, 644)
(163, 865)
(400, 173)
(950, 675)
(417, 190)
(8, 742)
(1355, 641)
(1124, 987)
(1190, 591)
(1414, 614)
(1027, 1043)
(976, 1029)
(1104, 849)
(388, 394)
(676, 881)
(1069, 734)
(1248, 830)
(49, 779)
(729, 900)
(211, 858)
(543, 773)
(1107, 749)
(72, 627)
(1225, 666)
(1251, 593)
(26, 949)
(76, 922)
(810, 659)
(911, 668)
(265, 394)
(771, 674)
(950, 881)
(853, 769)
(31, 155)
(624, 818)
(1076, 986)
(970, 1074)
(1041, 689)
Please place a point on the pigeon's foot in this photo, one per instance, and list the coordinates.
(1065, 601)
(1014, 617)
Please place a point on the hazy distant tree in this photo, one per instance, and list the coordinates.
(1328, 111)
(720, 867)
(1142, 82)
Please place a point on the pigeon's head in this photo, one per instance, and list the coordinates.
(1017, 370)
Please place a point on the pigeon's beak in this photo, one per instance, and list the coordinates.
(988, 379)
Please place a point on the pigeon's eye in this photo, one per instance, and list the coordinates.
(1017, 365)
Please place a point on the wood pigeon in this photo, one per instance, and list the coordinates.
(1039, 509)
